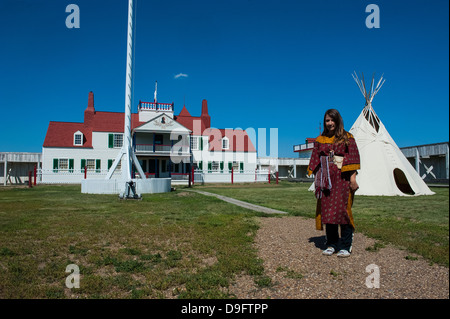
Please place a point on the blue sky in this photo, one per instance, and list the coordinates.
(260, 64)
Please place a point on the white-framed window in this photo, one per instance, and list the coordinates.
(194, 143)
(78, 138)
(225, 143)
(118, 140)
(115, 140)
(63, 165)
(90, 164)
(215, 166)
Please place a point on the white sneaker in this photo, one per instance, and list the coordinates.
(343, 253)
(328, 252)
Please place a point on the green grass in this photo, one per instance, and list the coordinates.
(176, 244)
(179, 244)
(418, 224)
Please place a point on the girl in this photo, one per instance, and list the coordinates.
(334, 161)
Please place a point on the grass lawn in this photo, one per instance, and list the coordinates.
(179, 244)
(176, 244)
(419, 224)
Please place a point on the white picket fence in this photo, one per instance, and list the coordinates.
(73, 176)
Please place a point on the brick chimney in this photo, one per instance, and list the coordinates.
(90, 110)
(206, 119)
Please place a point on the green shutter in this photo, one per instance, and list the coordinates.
(55, 165)
(221, 167)
(230, 166)
(201, 143)
(83, 165)
(241, 166)
(71, 165)
(97, 165)
(209, 167)
(110, 140)
(200, 165)
(110, 162)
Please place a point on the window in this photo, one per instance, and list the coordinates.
(90, 164)
(63, 165)
(118, 140)
(194, 143)
(225, 143)
(78, 138)
(115, 140)
(111, 161)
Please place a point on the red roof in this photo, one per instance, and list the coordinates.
(61, 134)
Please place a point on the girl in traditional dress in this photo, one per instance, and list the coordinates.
(335, 161)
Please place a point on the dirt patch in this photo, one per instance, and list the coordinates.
(292, 245)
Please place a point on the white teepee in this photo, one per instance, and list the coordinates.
(384, 168)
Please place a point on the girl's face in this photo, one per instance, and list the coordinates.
(329, 123)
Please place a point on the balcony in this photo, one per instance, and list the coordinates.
(161, 149)
(155, 106)
(303, 147)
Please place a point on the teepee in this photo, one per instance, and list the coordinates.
(384, 168)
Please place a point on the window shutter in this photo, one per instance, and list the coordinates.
(221, 167)
(209, 167)
(110, 140)
(201, 143)
(110, 162)
(230, 166)
(200, 165)
(241, 166)
(71, 165)
(97, 165)
(83, 164)
(55, 165)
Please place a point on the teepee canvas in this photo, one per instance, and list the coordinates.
(384, 168)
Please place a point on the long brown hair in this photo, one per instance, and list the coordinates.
(340, 135)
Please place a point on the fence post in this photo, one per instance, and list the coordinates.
(269, 175)
(35, 174)
(85, 172)
(277, 178)
(232, 175)
(193, 175)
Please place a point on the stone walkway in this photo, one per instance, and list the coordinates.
(241, 203)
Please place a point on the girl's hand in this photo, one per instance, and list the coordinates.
(353, 184)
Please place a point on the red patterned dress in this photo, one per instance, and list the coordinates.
(335, 204)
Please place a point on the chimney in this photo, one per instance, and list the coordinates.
(206, 119)
(90, 110)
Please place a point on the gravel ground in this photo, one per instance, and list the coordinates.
(291, 249)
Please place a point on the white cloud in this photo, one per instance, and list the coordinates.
(180, 75)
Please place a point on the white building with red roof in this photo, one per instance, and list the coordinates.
(165, 144)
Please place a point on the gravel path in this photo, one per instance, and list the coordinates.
(291, 250)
